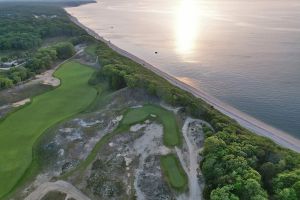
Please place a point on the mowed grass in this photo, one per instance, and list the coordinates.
(20, 130)
(175, 174)
(172, 136)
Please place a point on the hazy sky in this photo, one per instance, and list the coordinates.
(39, 0)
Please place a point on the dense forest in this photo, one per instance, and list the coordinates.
(237, 164)
(23, 30)
(24, 27)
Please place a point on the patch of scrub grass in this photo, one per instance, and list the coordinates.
(103, 98)
(54, 195)
(172, 136)
(91, 49)
(29, 91)
(174, 172)
(20, 130)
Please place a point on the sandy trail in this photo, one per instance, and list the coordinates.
(243, 119)
(195, 189)
(191, 166)
(8, 68)
(60, 186)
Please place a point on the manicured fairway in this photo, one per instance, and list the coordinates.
(20, 130)
(174, 172)
(171, 132)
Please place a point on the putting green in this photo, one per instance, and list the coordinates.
(171, 131)
(174, 172)
(20, 130)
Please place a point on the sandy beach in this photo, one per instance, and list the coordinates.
(243, 119)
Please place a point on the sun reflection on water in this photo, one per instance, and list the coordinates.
(187, 26)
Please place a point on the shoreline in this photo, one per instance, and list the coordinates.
(245, 120)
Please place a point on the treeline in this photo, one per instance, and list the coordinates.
(24, 27)
(19, 41)
(237, 164)
(44, 57)
(42, 60)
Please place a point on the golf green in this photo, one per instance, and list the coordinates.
(174, 172)
(167, 118)
(20, 130)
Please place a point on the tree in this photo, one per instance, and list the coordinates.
(131, 81)
(296, 187)
(64, 50)
(4, 59)
(253, 190)
(268, 171)
(287, 194)
(213, 144)
(223, 193)
(5, 83)
(286, 179)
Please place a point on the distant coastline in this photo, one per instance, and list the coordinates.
(252, 124)
(67, 3)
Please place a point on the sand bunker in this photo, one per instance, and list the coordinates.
(47, 78)
(20, 103)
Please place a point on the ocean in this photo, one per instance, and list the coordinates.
(245, 53)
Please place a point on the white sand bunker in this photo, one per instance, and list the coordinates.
(137, 127)
(148, 144)
(20, 103)
(47, 78)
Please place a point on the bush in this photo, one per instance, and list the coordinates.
(64, 50)
(5, 83)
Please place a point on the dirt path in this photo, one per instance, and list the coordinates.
(243, 119)
(190, 164)
(59, 186)
(195, 189)
(8, 68)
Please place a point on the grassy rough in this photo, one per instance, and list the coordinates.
(11, 96)
(91, 50)
(19, 131)
(174, 172)
(54, 195)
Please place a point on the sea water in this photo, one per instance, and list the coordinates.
(245, 53)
